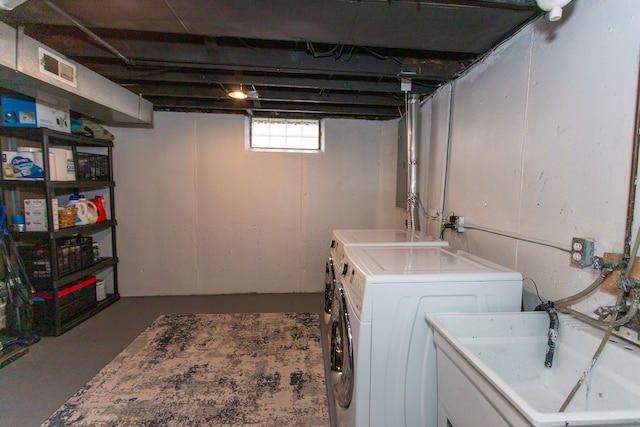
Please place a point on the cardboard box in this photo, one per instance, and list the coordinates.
(35, 214)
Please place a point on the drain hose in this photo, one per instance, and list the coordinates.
(552, 334)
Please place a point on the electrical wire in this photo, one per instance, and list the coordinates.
(350, 54)
(381, 57)
(535, 285)
(315, 54)
(336, 52)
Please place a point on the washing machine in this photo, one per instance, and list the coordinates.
(382, 356)
(384, 237)
(364, 237)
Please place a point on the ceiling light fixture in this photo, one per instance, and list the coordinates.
(238, 94)
(10, 4)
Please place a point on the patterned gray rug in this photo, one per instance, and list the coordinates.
(210, 370)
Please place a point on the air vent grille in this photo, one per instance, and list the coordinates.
(67, 72)
(56, 67)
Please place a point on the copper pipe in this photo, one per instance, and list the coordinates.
(633, 177)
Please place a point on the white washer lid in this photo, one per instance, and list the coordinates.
(385, 236)
(423, 264)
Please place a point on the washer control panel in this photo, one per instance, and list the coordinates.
(337, 250)
(354, 283)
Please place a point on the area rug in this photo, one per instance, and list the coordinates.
(244, 369)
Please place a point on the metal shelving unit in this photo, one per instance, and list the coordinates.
(58, 284)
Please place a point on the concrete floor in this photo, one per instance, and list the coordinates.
(35, 385)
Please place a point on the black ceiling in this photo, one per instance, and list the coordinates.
(325, 58)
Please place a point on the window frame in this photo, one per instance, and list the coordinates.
(249, 137)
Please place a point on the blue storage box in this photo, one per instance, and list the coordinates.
(19, 113)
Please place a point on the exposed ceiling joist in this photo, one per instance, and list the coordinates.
(333, 58)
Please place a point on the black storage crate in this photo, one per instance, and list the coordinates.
(73, 254)
(73, 300)
(93, 167)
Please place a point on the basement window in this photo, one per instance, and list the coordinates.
(295, 135)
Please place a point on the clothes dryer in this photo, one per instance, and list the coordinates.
(382, 369)
(365, 237)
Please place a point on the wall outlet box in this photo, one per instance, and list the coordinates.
(582, 252)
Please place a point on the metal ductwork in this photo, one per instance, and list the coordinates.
(80, 90)
(412, 163)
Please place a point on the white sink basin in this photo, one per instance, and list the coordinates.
(491, 368)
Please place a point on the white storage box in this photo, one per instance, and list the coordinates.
(49, 116)
(101, 290)
(35, 214)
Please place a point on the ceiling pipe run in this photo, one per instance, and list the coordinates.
(412, 221)
(88, 32)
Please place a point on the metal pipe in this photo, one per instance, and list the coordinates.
(90, 33)
(587, 371)
(445, 173)
(412, 163)
(587, 291)
(633, 177)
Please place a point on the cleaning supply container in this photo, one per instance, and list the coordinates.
(83, 214)
(102, 213)
(92, 209)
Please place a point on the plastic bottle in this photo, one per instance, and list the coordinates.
(71, 166)
(102, 214)
(74, 202)
(18, 223)
(92, 209)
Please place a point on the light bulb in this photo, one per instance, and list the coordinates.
(237, 94)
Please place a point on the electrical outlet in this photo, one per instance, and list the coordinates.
(582, 252)
(459, 222)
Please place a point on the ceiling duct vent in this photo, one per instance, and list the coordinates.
(53, 66)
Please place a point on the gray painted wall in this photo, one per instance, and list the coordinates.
(197, 214)
(535, 140)
(540, 137)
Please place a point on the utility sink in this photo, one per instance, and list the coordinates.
(491, 372)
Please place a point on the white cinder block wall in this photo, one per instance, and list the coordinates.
(197, 214)
(539, 144)
(535, 140)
